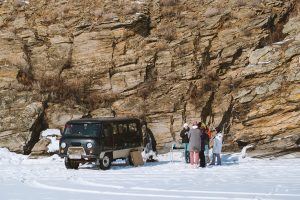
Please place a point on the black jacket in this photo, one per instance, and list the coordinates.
(184, 136)
(204, 139)
(149, 139)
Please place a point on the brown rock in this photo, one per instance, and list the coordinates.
(233, 66)
(40, 148)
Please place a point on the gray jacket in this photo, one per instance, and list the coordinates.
(195, 139)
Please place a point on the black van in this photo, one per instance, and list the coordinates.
(99, 140)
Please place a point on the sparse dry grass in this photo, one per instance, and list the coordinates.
(161, 46)
(18, 3)
(296, 10)
(131, 9)
(236, 82)
(25, 77)
(8, 73)
(180, 51)
(297, 7)
(173, 77)
(76, 91)
(168, 2)
(240, 3)
(109, 16)
(169, 12)
(95, 99)
(145, 89)
(172, 9)
(275, 35)
(59, 90)
(256, 3)
(98, 13)
(167, 32)
(246, 32)
(195, 94)
(210, 12)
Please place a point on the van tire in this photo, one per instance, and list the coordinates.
(71, 164)
(130, 161)
(105, 162)
(67, 163)
(74, 164)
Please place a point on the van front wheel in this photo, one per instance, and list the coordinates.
(105, 162)
(71, 164)
(67, 163)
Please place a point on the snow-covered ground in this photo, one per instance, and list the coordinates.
(47, 179)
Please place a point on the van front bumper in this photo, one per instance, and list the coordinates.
(77, 153)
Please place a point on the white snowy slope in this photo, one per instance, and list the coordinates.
(47, 179)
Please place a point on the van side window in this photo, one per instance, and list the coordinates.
(120, 135)
(108, 136)
(132, 128)
(133, 132)
(115, 129)
(123, 129)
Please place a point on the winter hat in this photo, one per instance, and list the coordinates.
(185, 125)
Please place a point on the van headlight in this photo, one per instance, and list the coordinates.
(63, 145)
(89, 145)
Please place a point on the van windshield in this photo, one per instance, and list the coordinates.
(82, 130)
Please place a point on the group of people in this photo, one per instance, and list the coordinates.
(197, 141)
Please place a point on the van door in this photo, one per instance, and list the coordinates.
(107, 137)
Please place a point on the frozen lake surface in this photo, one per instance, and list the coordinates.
(47, 179)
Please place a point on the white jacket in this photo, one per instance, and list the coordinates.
(218, 140)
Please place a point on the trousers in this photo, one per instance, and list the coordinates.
(216, 155)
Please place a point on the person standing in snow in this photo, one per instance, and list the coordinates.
(207, 141)
(185, 141)
(149, 143)
(194, 136)
(217, 142)
(203, 144)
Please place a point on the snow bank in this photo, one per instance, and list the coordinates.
(52, 134)
(54, 145)
(7, 157)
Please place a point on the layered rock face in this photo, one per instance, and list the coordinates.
(233, 64)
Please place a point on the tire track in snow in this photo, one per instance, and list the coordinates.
(214, 192)
(83, 182)
(89, 183)
(39, 185)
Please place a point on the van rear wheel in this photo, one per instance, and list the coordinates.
(130, 161)
(105, 162)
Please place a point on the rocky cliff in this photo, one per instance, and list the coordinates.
(234, 64)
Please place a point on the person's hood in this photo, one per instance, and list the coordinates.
(219, 135)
